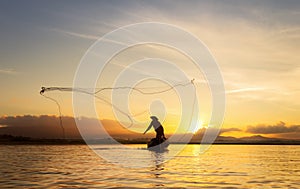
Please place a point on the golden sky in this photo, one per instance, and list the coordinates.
(256, 45)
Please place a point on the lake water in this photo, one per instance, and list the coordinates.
(222, 166)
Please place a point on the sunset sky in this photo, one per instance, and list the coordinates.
(255, 43)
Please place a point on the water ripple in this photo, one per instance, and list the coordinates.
(222, 166)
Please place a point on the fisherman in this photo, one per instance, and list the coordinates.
(158, 128)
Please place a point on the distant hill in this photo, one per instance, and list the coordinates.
(255, 139)
(258, 138)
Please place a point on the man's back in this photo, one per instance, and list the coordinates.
(155, 124)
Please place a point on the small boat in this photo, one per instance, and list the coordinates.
(155, 144)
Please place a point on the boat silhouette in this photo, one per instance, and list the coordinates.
(156, 144)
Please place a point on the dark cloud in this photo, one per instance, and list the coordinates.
(279, 128)
(43, 126)
(226, 130)
(214, 131)
(46, 126)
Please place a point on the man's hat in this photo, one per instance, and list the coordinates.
(154, 117)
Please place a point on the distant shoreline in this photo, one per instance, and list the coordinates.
(82, 142)
(20, 140)
(58, 144)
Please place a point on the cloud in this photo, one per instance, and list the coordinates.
(45, 126)
(279, 128)
(88, 36)
(244, 90)
(7, 71)
(290, 30)
(75, 34)
(214, 131)
(227, 130)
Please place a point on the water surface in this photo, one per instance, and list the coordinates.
(222, 166)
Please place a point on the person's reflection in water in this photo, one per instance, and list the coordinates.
(158, 160)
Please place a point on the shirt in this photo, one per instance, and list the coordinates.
(155, 124)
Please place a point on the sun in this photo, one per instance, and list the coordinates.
(198, 125)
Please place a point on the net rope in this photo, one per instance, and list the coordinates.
(142, 91)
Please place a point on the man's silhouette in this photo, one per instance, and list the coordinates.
(158, 128)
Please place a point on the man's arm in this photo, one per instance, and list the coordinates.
(149, 127)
